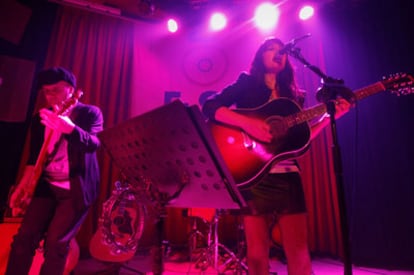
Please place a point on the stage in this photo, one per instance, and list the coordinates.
(175, 265)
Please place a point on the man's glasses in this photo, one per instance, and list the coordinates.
(55, 90)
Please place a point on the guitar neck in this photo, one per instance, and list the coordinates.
(40, 162)
(43, 151)
(320, 109)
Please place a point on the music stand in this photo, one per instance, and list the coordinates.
(171, 149)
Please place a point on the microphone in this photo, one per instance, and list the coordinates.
(289, 46)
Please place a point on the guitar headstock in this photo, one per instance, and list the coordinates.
(70, 102)
(399, 84)
(77, 94)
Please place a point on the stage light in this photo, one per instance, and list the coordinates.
(306, 12)
(266, 16)
(218, 21)
(172, 25)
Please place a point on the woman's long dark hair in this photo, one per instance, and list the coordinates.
(286, 84)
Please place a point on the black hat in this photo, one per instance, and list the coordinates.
(54, 75)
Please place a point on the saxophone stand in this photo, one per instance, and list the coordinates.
(330, 90)
(157, 250)
(217, 255)
(121, 216)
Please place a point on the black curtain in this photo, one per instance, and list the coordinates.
(366, 40)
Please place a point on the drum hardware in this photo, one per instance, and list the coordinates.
(197, 240)
(215, 254)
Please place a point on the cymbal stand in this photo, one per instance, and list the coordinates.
(218, 255)
(195, 238)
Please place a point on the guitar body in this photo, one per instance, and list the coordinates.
(100, 250)
(124, 217)
(248, 159)
(121, 226)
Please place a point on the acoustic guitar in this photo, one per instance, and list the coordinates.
(120, 226)
(248, 159)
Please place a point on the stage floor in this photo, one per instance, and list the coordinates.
(141, 264)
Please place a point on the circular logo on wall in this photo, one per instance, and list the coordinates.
(204, 65)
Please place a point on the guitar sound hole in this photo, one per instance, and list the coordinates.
(118, 220)
(123, 223)
(278, 127)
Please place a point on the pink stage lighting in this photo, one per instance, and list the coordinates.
(266, 16)
(306, 12)
(172, 25)
(218, 21)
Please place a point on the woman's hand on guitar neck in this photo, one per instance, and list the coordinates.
(342, 106)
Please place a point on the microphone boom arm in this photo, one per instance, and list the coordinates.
(331, 87)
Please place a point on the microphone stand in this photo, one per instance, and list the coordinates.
(330, 90)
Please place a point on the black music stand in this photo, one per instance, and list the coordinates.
(172, 150)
